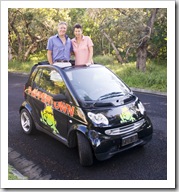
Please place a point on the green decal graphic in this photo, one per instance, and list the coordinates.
(126, 115)
(47, 118)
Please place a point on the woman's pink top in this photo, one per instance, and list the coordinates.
(81, 50)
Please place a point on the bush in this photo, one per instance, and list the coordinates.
(104, 59)
(40, 56)
(20, 66)
(155, 78)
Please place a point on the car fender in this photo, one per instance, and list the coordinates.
(27, 106)
(79, 127)
(72, 140)
(89, 134)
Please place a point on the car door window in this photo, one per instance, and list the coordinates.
(50, 81)
(37, 78)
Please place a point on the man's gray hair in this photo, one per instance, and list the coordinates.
(62, 23)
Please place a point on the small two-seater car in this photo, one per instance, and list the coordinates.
(85, 106)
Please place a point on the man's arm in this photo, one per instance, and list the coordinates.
(49, 57)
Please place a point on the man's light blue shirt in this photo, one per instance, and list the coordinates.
(59, 50)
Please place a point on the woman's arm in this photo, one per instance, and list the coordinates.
(91, 54)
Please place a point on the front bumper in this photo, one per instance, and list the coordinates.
(105, 146)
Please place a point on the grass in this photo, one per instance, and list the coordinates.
(155, 77)
(20, 66)
(14, 175)
(11, 176)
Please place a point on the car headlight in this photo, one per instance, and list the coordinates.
(141, 108)
(98, 118)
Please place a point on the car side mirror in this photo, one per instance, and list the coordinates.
(59, 97)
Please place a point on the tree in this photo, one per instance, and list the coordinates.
(113, 45)
(105, 25)
(129, 30)
(30, 28)
(127, 34)
(157, 48)
(143, 43)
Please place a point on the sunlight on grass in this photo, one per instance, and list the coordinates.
(27, 66)
(20, 66)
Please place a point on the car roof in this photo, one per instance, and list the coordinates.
(75, 67)
(69, 67)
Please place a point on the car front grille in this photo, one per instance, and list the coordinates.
(125, 129)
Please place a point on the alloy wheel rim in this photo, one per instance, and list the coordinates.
(25, 122)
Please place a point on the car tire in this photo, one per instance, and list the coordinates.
(27, 123)
(84, 150)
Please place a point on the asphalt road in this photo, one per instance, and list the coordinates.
(41, 157)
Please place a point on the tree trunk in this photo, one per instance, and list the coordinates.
(18, 39)
(141, 58)
(9, 51)
(31, 47)
(114, 47)
(142, 48)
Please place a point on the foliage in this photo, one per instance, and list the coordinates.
(20, 66)
(105, 59)
(40, 56)
(158, 45)
(155, 78)
(29, 30)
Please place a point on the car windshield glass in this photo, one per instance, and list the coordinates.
(96, 83)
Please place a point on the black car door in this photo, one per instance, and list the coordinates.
(49, 114)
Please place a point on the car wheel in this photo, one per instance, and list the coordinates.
(27, 123)
(84, 150)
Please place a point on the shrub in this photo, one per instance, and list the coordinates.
(104, 59)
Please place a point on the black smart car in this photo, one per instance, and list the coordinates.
(84, 106)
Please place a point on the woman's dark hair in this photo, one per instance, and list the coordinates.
(78, 26)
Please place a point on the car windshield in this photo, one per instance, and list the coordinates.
(96, 83)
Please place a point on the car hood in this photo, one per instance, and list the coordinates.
(119, 115)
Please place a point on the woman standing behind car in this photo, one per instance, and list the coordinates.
(82, 47)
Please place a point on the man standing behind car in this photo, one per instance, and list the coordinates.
(59, 46)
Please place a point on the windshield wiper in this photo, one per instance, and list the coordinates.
(109, 95)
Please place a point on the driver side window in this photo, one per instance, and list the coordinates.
(50, 81)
